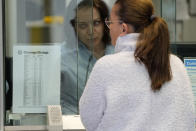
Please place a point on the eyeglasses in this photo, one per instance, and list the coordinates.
(108, 22)
(84, 25)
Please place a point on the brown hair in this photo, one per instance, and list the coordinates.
(153, 44)
(103, 12)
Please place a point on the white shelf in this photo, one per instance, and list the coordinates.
(70, 123)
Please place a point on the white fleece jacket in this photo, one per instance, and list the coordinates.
(118, 96)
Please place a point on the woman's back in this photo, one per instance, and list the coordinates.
(132, 105)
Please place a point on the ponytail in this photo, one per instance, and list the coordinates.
(152, 48)
(153, 51)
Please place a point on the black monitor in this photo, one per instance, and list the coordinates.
(183, 49)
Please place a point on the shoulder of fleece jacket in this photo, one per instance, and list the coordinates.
(102, 70)
(177, 66)
(105, 62)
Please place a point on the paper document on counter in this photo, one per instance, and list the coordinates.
(72, 122)
(36, 78)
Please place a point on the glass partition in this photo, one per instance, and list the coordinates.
(51, 48)
(47, 44)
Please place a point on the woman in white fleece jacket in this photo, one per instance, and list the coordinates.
(142, 87)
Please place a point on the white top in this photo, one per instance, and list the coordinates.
(118, 95)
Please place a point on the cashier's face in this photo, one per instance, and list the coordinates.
(89, 31)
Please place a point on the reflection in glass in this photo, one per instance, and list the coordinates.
(93, 43)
